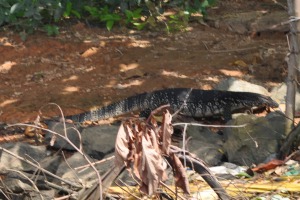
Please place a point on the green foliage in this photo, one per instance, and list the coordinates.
(69, 10)
(178, 21)
(205, 4)
(109, 18)
(134, 18)
(26, 16)
(104, 15)
(51, 30)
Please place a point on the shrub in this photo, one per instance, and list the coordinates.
(27, 16)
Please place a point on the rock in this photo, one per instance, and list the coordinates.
(73, 133)
(47, 195)
(24, 150)
(277, 122)
(279, 94)
(24, 177)
(86, 176)
(205, 144)
(256, 142)
(211, 154)
(15, 185)
(18, 189)
(99, 141)
(67, 172)
(21, 188)
(233, 84)
(51, 163)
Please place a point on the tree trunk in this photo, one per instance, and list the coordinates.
(293, 63)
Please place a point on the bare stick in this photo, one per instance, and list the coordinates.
(58, 187)
(38, 167)
(64, 197)
(203, 170)
(156, 111)
(3, 193)
(65, 137)
(68, 164)
(94, 163)
(184, 142)
(209, 125)
(130, 193)
(73, 145)
(27, 178)
(166, 186)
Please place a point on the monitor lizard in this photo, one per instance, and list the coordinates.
(189, 102)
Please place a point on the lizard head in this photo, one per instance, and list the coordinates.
(268, 101)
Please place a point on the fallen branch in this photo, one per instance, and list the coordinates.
(65, 137)
(28, 179)
(43, 170)
(210, 125)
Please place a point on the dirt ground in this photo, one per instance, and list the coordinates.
(86, 67)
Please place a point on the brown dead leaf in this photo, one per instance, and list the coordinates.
(267, 166)
(122, 144)
(166, 132)
(91, 51)
(151, 169)
(151, 136)
(181, 179)
(5, 67)
(138, 156)
(138, 144)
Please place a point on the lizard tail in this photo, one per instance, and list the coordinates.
(127, 105)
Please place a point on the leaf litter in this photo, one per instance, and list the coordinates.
(144, 146)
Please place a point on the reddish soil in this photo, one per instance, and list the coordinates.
(87, 67)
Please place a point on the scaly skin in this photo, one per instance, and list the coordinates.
(190, 102)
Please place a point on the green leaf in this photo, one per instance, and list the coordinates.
(51, 30)
(205, 4)
(243, 174)
(76, 13)
(37, 16)
(4, 4)
(68, 9)
(110, 17)
(2, 18)
(14, 8)
(139, 26)
(109, 24)
(93, 11)
(29, 12)
(128, 14)
(137, 13)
